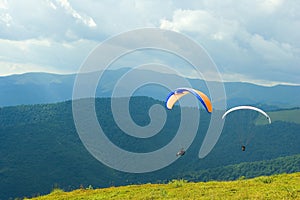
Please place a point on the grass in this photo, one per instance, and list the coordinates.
(284, 186)
(282, 115)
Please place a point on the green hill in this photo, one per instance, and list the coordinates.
(284, 186)
(290, 115)
(40, 149)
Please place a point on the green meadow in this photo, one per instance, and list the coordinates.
(291, 116)
(283, 186)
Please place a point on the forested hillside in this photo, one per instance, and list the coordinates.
(40, 149)
(288, 164)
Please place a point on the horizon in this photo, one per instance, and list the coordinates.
(257, 82)
(256, 42)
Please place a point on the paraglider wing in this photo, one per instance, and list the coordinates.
(180, 92)
(247, 107)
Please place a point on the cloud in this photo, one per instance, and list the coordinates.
(69, 10)
(96, 20)
(8, 68)
(3, 4)
(252, 40)
(6, 19)
(44, 53)
(70, 29)
(201, 22)
(269, 6)
(248, 47)
(51, 19)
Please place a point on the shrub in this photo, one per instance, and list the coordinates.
(177, 183)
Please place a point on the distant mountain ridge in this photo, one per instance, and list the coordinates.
(39, 88)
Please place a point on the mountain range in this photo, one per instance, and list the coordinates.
(39, 88)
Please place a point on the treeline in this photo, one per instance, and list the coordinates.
(288, 164)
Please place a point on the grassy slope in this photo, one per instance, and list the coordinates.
(281, 115)
(284, 186)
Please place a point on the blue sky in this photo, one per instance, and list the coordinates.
(255, 41)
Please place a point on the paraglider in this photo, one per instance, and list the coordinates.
(181, 152)
(175, 95)
(249, 108)
(243, 148)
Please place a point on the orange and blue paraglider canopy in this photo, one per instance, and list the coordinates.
(175, 95)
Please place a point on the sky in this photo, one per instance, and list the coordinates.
(254, 41)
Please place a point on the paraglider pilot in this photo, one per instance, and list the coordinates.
(181, 152)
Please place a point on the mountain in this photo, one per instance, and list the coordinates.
(35, 88)
(40, 148)
(39, 88)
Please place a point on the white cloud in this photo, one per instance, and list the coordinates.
(6, 19)
(4, 4)
(245, 43)
(82, 18)
(254, 40)
(269, 6)
(51, 5)
(271, 50)
(44, 53)
(201, 22)
(8, 68)
(44, 19)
